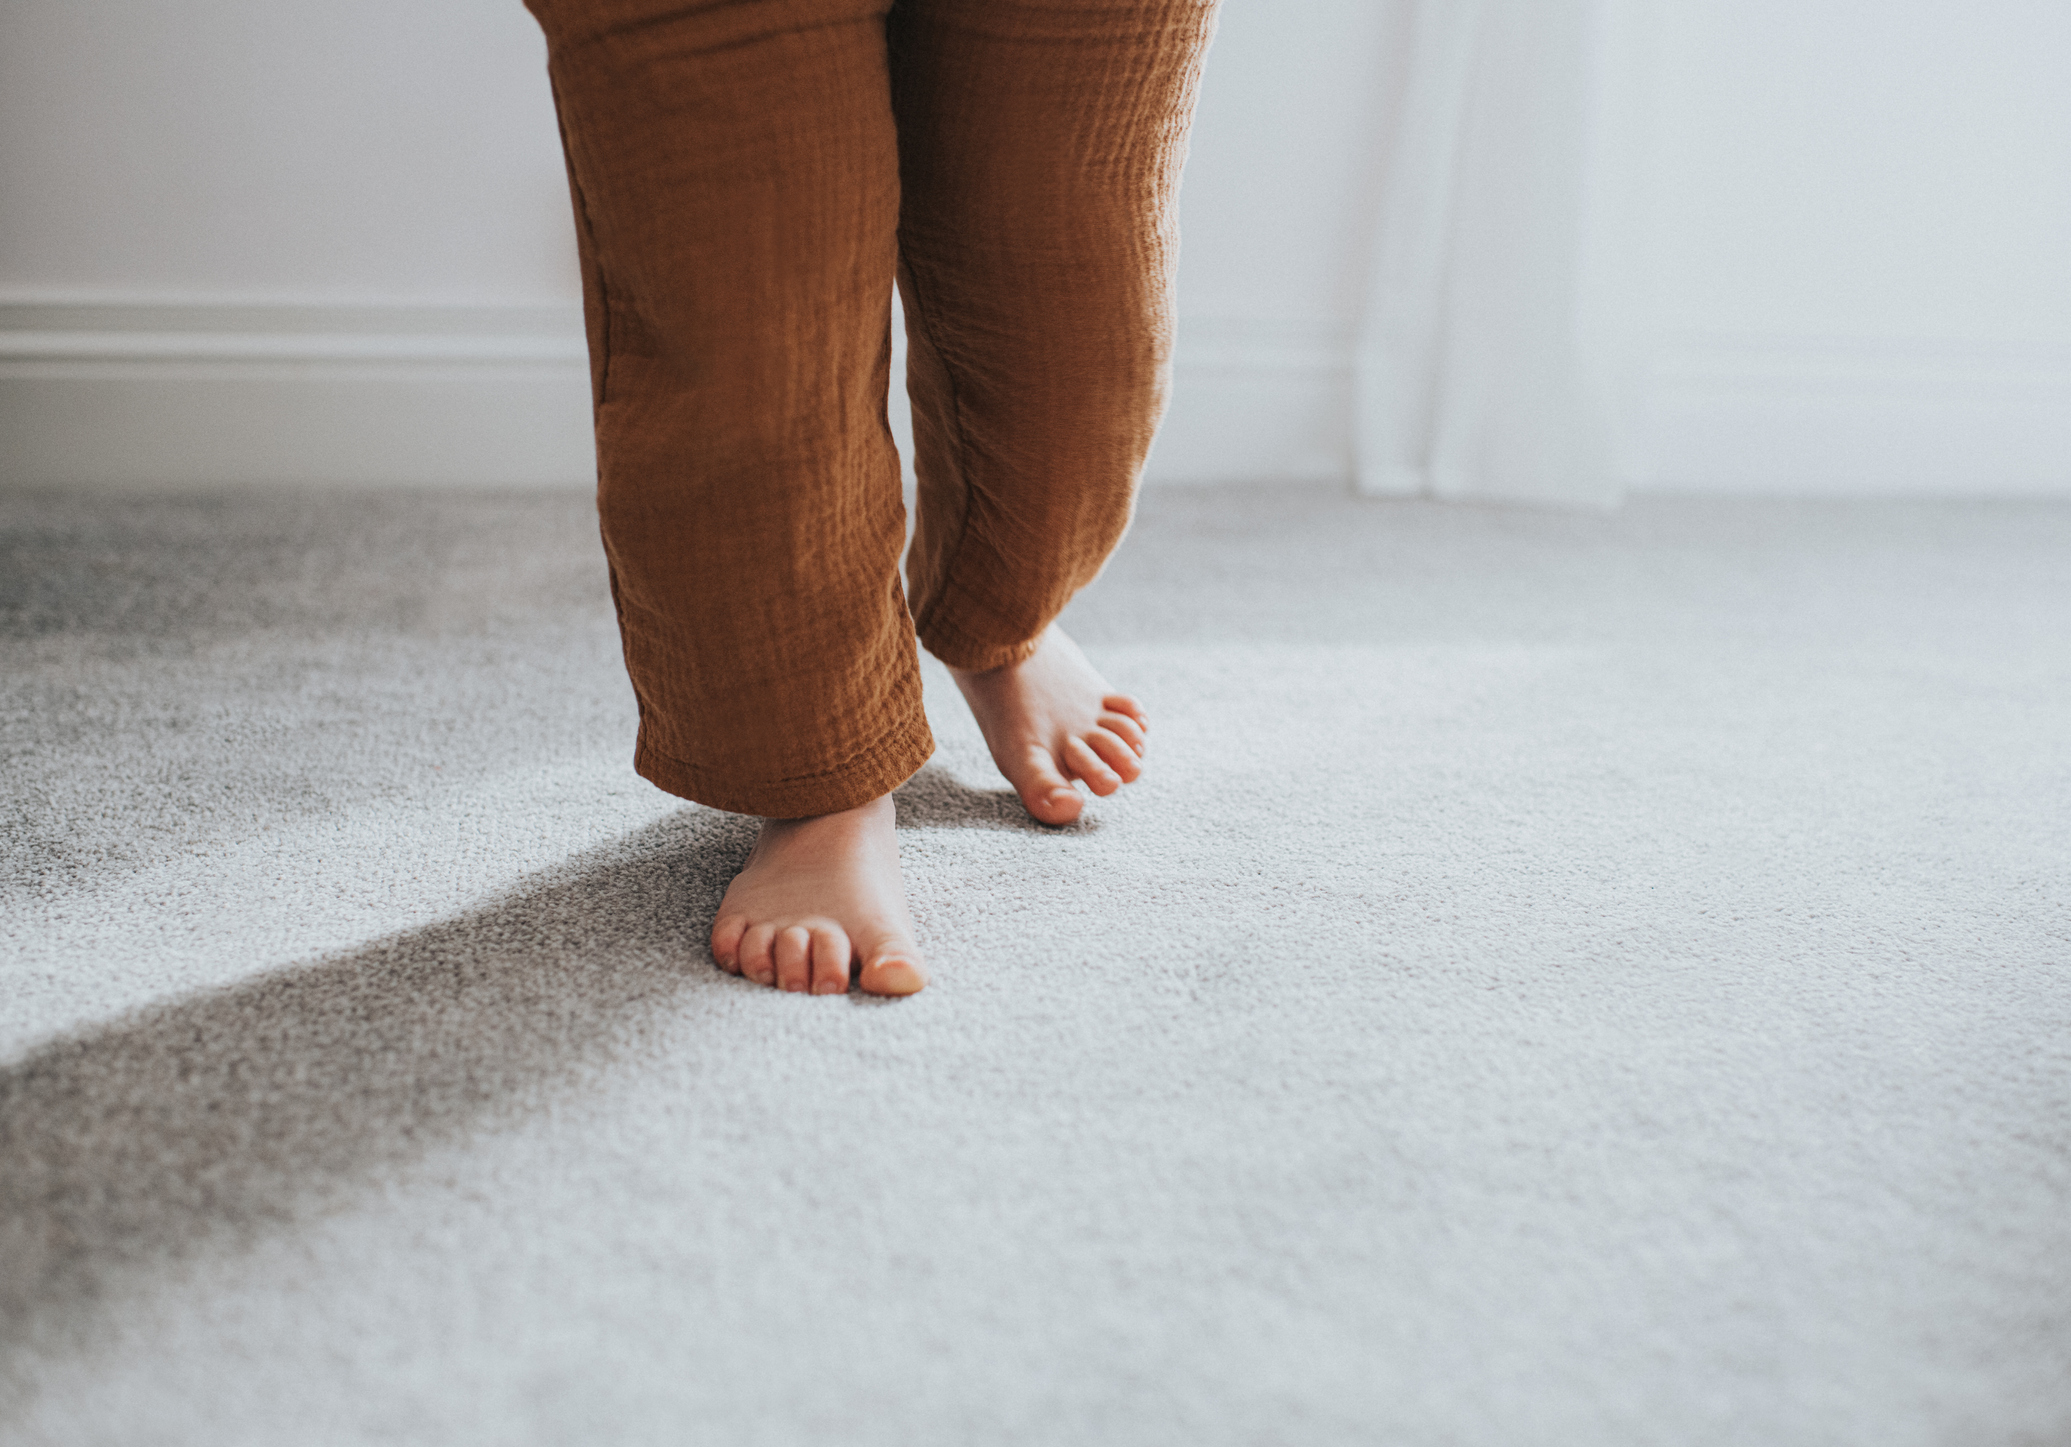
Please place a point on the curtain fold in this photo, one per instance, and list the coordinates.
(1476, 375)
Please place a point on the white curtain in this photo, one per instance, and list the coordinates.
(1478, 375)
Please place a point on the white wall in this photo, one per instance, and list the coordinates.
(1857, 232)
(279, 150)
(1276, 216)
(279, 240)
(259, 240)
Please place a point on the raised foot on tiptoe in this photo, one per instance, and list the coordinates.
(1051, 719)
(820, 902)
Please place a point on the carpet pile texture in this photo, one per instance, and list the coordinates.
(1562, 979)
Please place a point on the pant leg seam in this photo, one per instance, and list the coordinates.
(963, 471)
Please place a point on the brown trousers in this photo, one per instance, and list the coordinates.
(749, 176)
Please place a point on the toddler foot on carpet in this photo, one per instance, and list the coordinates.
(1051, 719)
(817, 899)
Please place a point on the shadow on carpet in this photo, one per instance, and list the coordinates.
(934, 798)
(196, 1126)
(201, 1123)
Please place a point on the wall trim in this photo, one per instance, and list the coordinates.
(167, 331)
(1257, 400)
(196, 393)
(1818, 415)
(185, 394)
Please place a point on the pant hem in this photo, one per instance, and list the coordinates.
(872, 775)
(962, 650)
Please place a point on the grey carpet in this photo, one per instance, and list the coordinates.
(1563, 979)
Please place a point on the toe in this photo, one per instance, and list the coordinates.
(758, 961)
(1045, 792)
(893, 971)
(794, 955)
(726, 941)
(1079, 755)
(1116, 755)
(830, 962)
(891, 963)
(1123, 703)
(1124, 728)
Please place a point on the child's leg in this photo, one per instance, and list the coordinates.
(1040, 144)
(736, 185)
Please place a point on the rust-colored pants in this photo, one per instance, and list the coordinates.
(749, 175)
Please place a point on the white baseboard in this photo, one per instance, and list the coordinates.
(187, 395)
(182, 395)
(1825, 417)
(1763, 415)
(1257, 402)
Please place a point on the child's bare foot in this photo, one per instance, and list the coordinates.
(818, 898)
(1052, 718)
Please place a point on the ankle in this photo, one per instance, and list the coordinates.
(864, 815)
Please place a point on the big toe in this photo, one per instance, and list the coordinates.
(892, 970)
(1046, 793)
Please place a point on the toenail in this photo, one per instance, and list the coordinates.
(898, 973)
